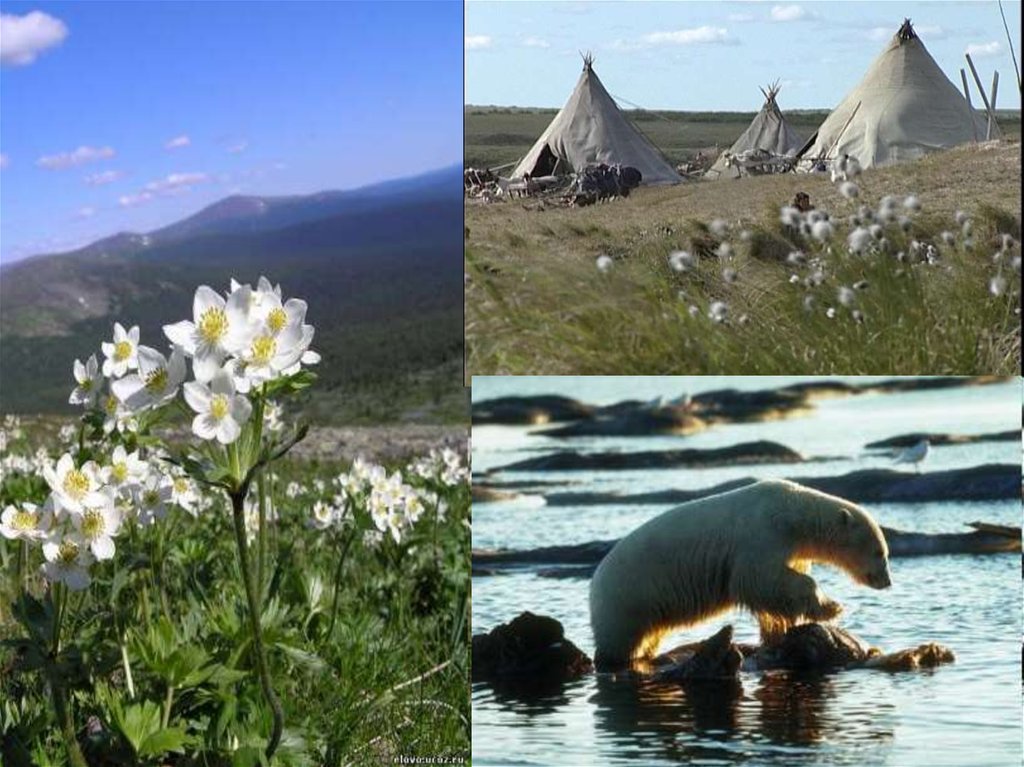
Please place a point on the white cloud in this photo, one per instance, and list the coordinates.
(81, 156)
(176, 182)
(238, 146)
(789, 13)
(23, 38)
(695, 36)
(476, 42)
(131, 200)
(984, 49)
(4, 161)
(178, 142)
(87, 212)
(740, 17)
(932, 32)
(536, 42)
(106, 177)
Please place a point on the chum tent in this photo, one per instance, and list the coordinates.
(590, 129)
(768, 130)
(903, 108)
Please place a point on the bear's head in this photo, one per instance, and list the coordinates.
(861, 547)
(828, 529)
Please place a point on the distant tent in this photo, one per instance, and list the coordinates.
(903, 108)
(591, 129)
(769, 130)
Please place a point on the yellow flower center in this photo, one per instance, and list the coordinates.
(213, 325)
(110, 405)
(277, 319)
(92, 524)
(25, 520)
(263, 349)
(156, 381)
(218, 406)
(76, 484)
(86, 384)
(68, 552)
(122, 351)
(119, 471)
(150, 498)
(181, 485)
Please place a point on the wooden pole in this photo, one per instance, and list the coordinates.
(995, 92)
(967, 91)
(977, 80)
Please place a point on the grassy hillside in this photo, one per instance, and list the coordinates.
(536, 303)
(499, 135)
(384, 292)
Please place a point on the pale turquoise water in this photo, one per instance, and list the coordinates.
(965, 714)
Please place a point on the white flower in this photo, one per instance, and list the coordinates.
(997, 285)
(184, 494)
(604, 263)
(718, 311)
(219, 328)
(729, 275)
(846, 295)
(72, 487)
(88, 383)
(97, 525)
(682, 260)
(912, 204)
(323, 515)
(122, 355)
(26, 522)
(67, 561)
(125, 469)
(156, 381)
(221, 412)
(718, 227)
(849, 190)
(830, 313)
(152, 497)
(790, 216)
(269, 356)
(859, 240)
(821, 230)
(272, 413)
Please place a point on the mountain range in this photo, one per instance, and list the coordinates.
(380, 267)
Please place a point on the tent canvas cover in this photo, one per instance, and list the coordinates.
(903, 108)
(590, 129)
(768, 130)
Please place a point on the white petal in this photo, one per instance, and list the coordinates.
(107, 348)
(119, 334)
(183, 334)
(241, 409)
(79, 370)
(206, 364)
(197, 396)
(150, 360)
(77, 579)
(222, 383)
(204, 427)
(103, 548)
(228, 431)
(206, 298)
(175, 368)
(126, 388)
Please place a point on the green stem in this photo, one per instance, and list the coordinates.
(168, 701)
(238, 512)
(59, 596)
(23, 565)
(337, 580)
(261, 551)
(128, 680)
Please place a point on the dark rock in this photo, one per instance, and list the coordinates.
(633, 423)
(812, 646)
(529, 410)
(909, 440)
(735, 406)
(531, 646)
(714, 658)
(735, 455)
(988, 482)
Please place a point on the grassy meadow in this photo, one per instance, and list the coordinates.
(537, 303)
(367, 640)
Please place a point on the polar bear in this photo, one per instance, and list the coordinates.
(751, 548)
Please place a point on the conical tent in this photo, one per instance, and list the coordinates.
(591, 129)
(903, 108)
(768, 130)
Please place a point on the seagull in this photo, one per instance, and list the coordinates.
(683, 401)
(914, 454)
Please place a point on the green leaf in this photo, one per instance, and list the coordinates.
(163, 741)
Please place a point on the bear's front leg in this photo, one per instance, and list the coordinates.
(788, 599)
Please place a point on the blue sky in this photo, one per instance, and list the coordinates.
(128, 116)
(713, 55)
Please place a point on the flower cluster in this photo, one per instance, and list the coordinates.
(236, 342)
(441, 465)
(87, 507)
